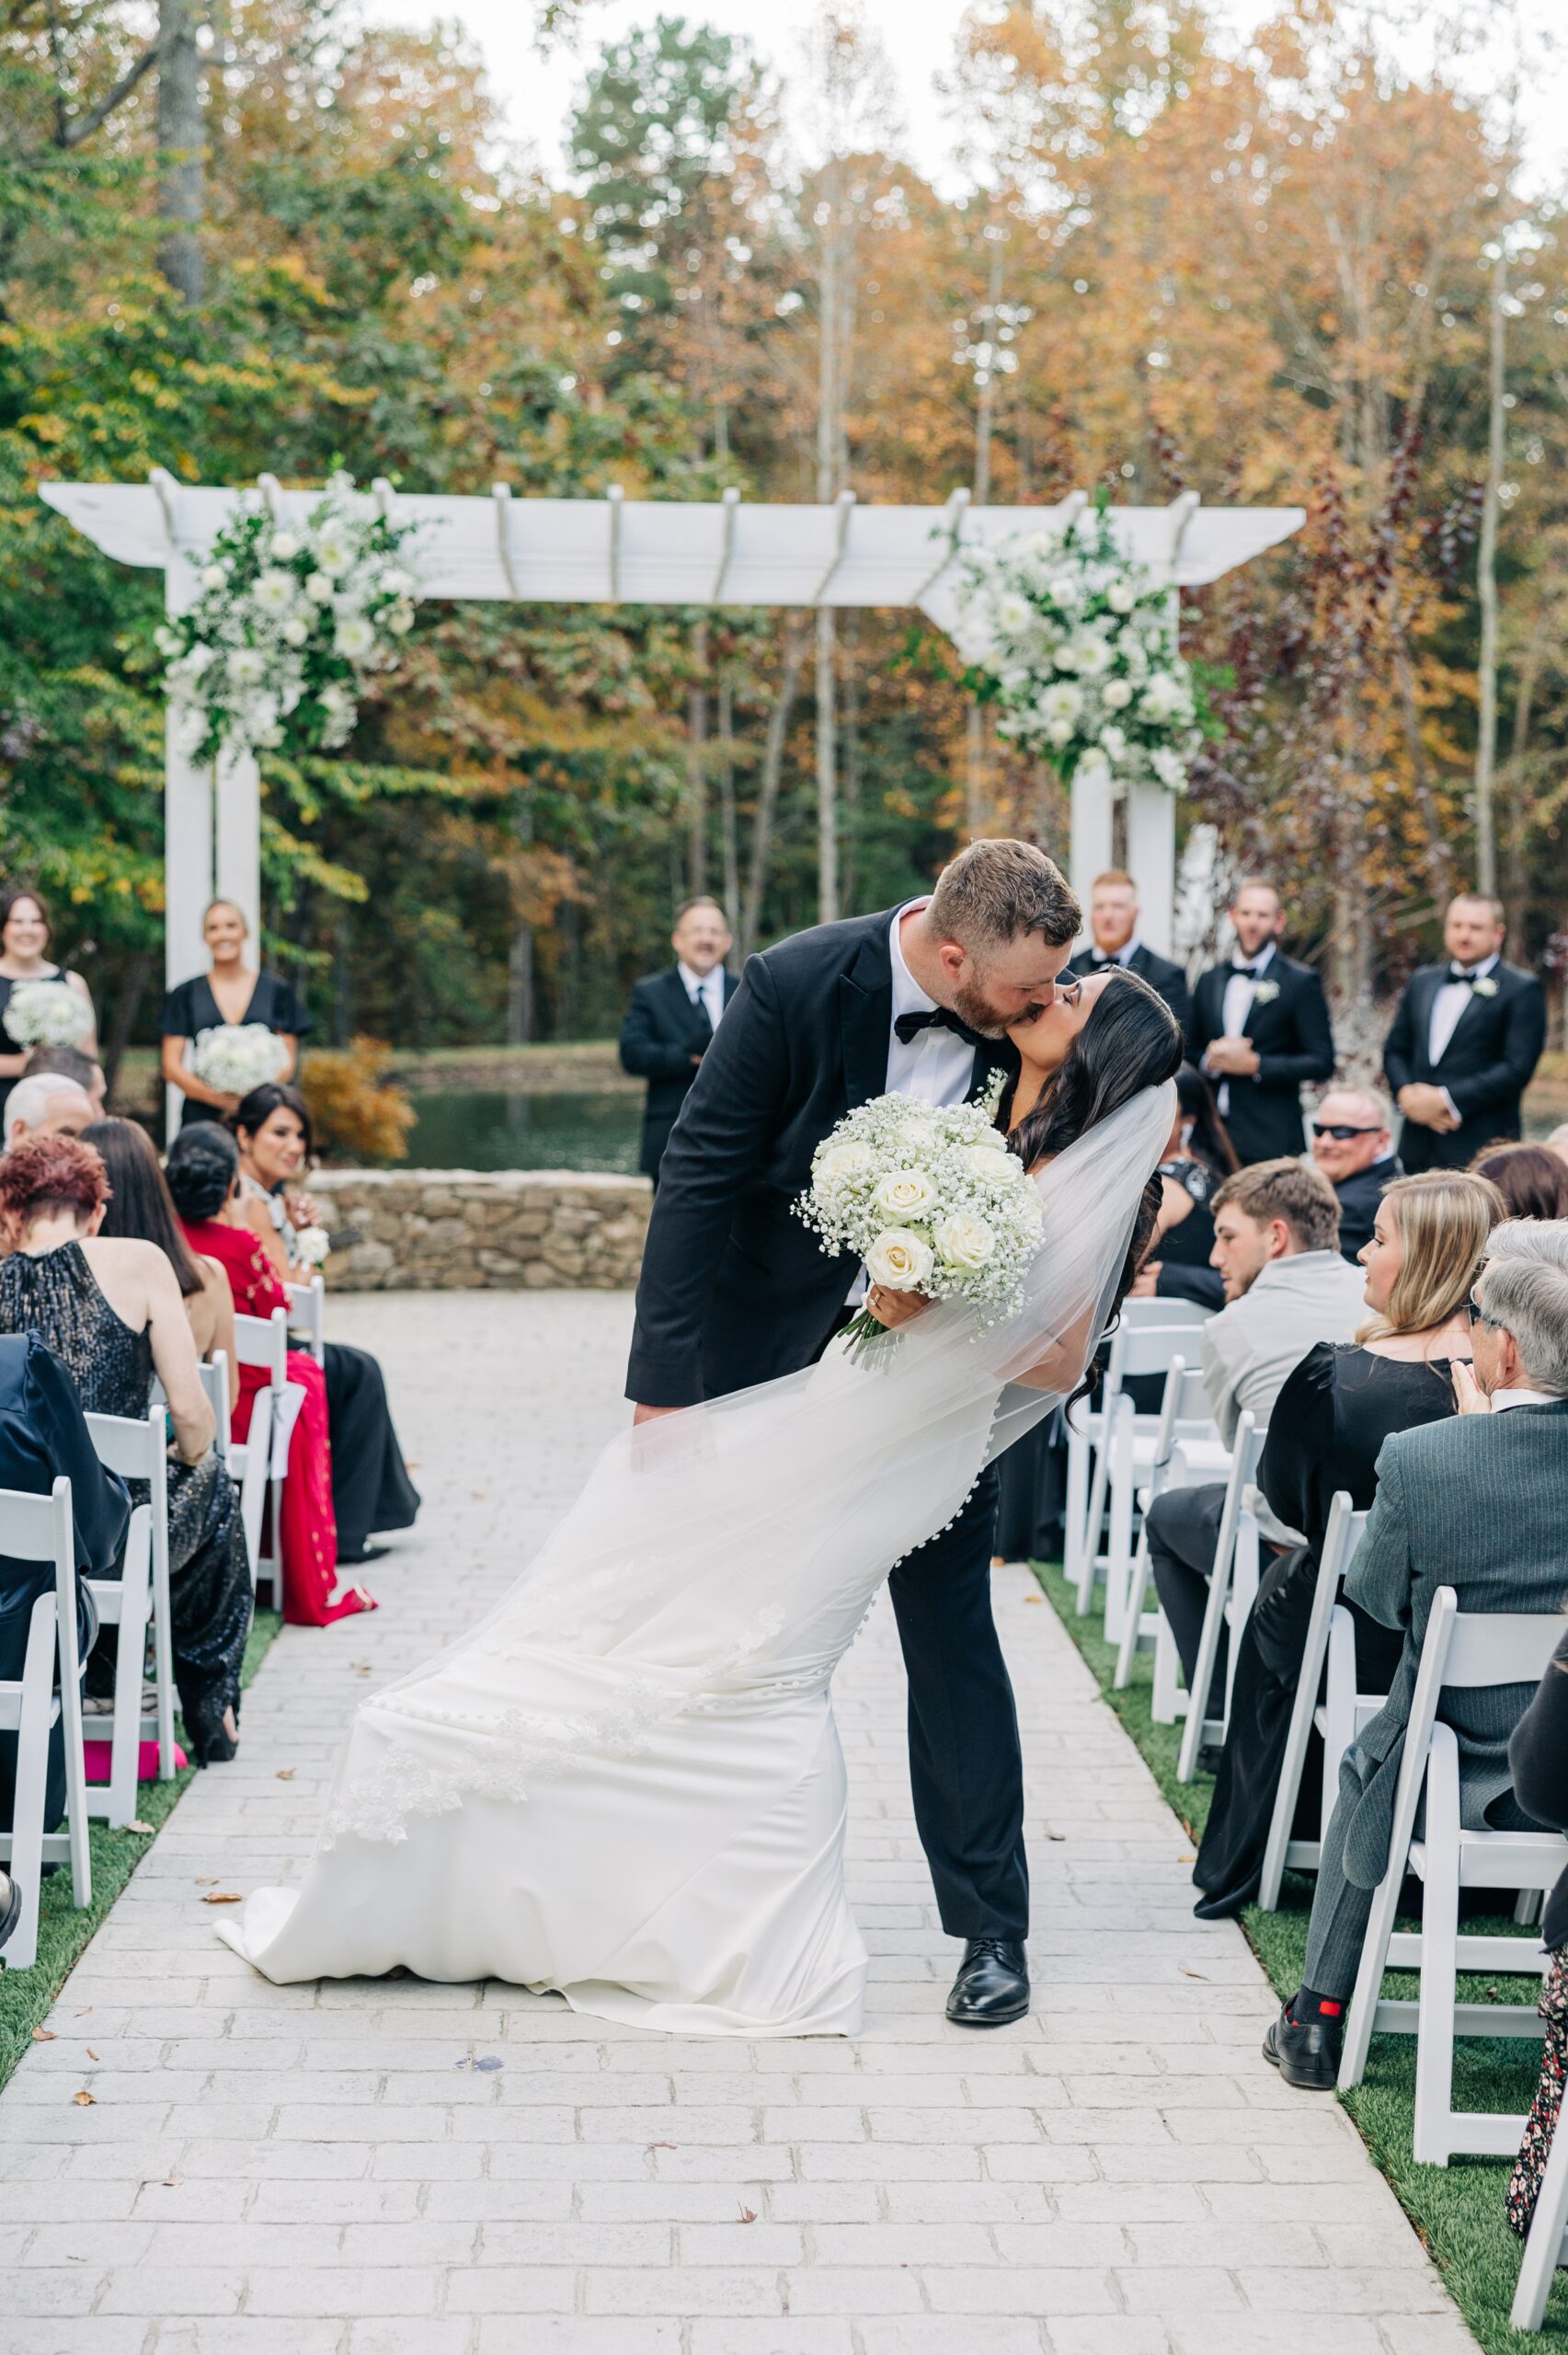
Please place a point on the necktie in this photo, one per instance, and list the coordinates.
(910, 1025)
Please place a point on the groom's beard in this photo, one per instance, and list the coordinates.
(973, 1007)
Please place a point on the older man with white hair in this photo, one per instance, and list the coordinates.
(46, 1105)
(1353, 1145)
(1474, 1502)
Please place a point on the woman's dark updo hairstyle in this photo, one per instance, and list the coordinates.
(203, 1163)
(139, 1201)
(253, 1112)
(1210, 1138)
(1130, 1041)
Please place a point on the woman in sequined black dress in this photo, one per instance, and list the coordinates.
(112, 1311)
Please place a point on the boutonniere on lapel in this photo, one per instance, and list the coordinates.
(1265, 992)
(1485, 986)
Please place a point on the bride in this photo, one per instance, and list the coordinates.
(626, 1784)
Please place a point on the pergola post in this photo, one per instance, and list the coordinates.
(1092, 803)
(237, 868)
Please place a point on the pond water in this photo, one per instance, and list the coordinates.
(474, 1128)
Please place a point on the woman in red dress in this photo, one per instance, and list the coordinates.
(203, 1177)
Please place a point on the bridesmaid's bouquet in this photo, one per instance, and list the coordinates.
(933, 1201)
(47, 1014)
(237, 1056)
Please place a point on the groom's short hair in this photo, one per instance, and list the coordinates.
(995, 891)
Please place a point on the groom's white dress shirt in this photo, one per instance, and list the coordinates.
(705, 989)
(935, 1064)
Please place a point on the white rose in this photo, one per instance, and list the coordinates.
(191, 665)
(294, 631)
(1061, 700)
(1012, 612)
(396, 582)
(985, 1167)
(900, 1261)
(964, 1241)
(319, 590)
(840, 1161)
(213, 576)
(1164, 696)
(1065, 656)
(167, 641)
(1116, 694)
(336, 700)
(1060, 733)
(284, 546)
(248, 667)
(1112, 743)
(400, 620)
(990, 1141)
(355, 637)
(1121, 596)
(1094, 655)
(1064, 591)
(905, 1193)
(274, 591)
(334, 550)
(1169, 767)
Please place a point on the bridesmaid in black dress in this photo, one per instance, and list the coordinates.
(1328, 1425)
(228, 992)
(24, 926)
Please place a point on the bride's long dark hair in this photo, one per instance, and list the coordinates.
(1130, 1041)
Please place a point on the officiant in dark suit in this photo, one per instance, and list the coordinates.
(736, 1289)
(1260, 1029)
(671, 1019)
(1465, 1042)
(1114, 940)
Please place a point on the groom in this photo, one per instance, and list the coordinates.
(735, 1289)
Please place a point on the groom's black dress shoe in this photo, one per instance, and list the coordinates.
(992, 1985)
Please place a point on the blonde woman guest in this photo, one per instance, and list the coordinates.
(232, 991)
(25, 927)
(1329, 1423)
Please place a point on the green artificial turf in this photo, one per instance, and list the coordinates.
(63, 1932)
(1457, 2210)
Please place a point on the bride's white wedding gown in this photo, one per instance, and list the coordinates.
(626, 1784)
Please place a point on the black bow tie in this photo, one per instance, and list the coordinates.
(1458, 973)
(1248, 973)
(1103, 964)
(910, 1025)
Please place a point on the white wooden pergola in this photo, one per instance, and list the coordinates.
(644, 552)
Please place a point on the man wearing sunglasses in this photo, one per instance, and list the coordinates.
(1354, 1147)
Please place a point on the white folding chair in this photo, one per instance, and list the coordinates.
(1085, 1436)
(1546, 2248)
(136, 1447)
(1183, 1414)
(39, 1529)
(1126, 1459)
(1468, 1650)
(262, 1341)
(214, 1372)
(1233, 1585)
(1331, 1638)
(307, 1316)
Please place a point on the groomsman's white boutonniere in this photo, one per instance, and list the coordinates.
(1485, 986)
(1265, 992)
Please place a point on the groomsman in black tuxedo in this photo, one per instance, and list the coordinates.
(1465, 1042)
(1113, 940)
(736, 1289)
(671, 1019)
(1260, 1028)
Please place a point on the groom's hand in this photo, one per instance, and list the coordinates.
(650, 1414)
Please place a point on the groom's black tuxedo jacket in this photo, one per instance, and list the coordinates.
(735, 1289)
(1486, 1066)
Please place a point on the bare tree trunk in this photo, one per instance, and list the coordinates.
(768, 789)
(1486, 585)
(181, 147)
(697, 769)
(343, 979)
(728, 841)
(133, 982)
(849, 863)
(520, 955)
(985, 410)
(1515, 884)
(826, 769)
(829, 403)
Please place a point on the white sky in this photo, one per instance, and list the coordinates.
(536, 93)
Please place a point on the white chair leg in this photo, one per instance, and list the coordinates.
(1369, 1975)
(1528, 1906)
(1136, 1594)
(26, 1861)
(1243, 1594)
(76, 1763)
(1285, 1796)
(1431, 2138)
(1077, 1503)
(1203, 1676)
(125, 1753)
(1119, 1542)
(1166, 1705)
(1093, 1516)
(1544, 2249)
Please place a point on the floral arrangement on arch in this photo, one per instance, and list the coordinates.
(288, 624)
(1076, 644)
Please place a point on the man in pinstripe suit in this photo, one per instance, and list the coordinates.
(1475, 1503)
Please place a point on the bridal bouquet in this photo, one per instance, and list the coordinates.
(43, 1013)
(931, 1200)
(238, 1056)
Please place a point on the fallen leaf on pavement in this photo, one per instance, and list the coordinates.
(43, 2036)
(83, 2013)
(224, 1897)
(748, 2215)
(91, 2054)
(1186, 1860)
(286, 1773)
(205, 1880)
(171, 2182)
(661, 2146)
(1188, 1973)
(84, 2100)
(146, 1830)
(1033, 1598)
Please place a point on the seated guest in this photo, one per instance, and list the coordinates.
(1465, 1042)
(43, 1435)
(1475, 1503)
(1260, 1029)
(112, 1311)
(1353, 1145)
(1199, 1158)
(1113, 940)
(46, 1105)
(70, 1063)
(370, 1487)
(1531, 1180)
(139, 1204)
(203, 1179)
(229, 992)
(671, 1019)
(1538, 1760)
(1329, 1421)
(1276, 1246)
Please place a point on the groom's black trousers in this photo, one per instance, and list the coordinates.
(966, 1765)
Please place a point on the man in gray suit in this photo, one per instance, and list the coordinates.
(1474, 1503)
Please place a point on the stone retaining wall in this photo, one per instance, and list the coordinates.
(506, 1230)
